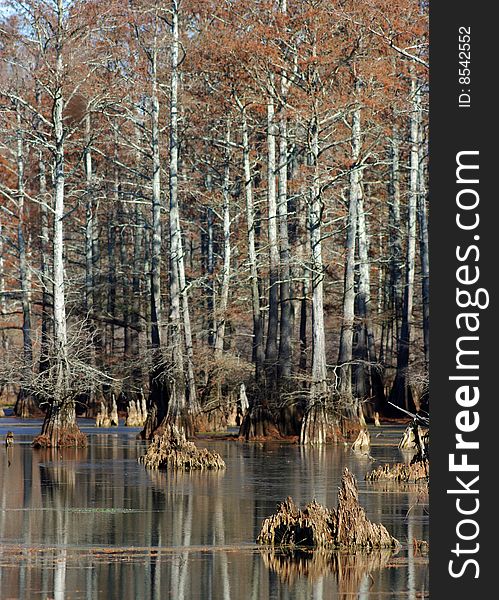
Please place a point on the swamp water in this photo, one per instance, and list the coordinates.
(94, 524)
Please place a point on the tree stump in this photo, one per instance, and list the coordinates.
(316, 526)
(363, 441)
(171, 450)
(413, 473)
(113, 417)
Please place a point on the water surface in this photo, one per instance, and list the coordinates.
(93, 523)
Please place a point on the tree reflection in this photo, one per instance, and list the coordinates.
(349, 570)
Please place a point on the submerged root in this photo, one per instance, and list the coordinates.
(171, 450)
(316, 526)
(413, 473)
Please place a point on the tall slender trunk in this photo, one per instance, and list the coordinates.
(59, 426)
(192, 404)
(286, 325)
(423, 244)
(224, 293)
(395, 237)
(111, 276)
(44, 361)
(401, 392)
(138, 269)
(210, 269)
(365, 312)
(135, 316)
(156, 213)
(126, 299)
(98, 287)
(273, 312)
(89, 225)
(158, 394)
(177, 402)
(23, 263)
(346, 339)
(258, 352)
(60, 330)
(303, 235)
(89, 254)
(4, 340)
(314, 425)
(25, 404)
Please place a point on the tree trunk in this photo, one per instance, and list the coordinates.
(44, 362)
(191, 402)
(346, 339)
(156, 216)
(158, 388)
(89, 258)
(423, 246)
(126, 287)
(210, 268)
(89, 226)
(177, 402)
(135, 316)
(258, 353)
(365, 312)
(59, 427)
(26, 404)
(3, 304)
(401, 392)
(286, 325)
(273, 313)
(111, 278)
(314, 425)
(224, 293)
(396, 267)
(303, 235)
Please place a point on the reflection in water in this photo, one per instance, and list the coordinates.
(93, 523)
(348, 569)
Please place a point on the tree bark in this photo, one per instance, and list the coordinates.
(26, 404)
(423, 244)
(177, 403)
(346, 339)
(273, 313)
(60, 427)
(396, 268)
(365, 312)
(286, 325)
(258, 352)
(401, 392)
(314, 425)
(224, 293)
(156, 213)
